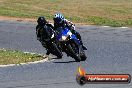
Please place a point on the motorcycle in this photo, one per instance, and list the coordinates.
(48, 40)
(70, 44)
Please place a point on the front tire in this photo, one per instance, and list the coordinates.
(55, 51)
(73, 54)
(82, 54)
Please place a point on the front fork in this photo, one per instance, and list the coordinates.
(73, 44)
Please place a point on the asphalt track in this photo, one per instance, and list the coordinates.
(109, 51)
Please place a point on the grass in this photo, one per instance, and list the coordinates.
(17, 57)
(99, 12)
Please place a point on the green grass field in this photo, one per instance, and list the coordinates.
(17, 57)
(99, 12)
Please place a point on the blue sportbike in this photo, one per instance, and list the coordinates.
(70, 44)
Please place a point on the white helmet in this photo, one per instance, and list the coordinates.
(58, 18)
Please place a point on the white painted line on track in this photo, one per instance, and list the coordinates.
(28, 63)
(30, 53)
(105, 26)
(123, 27)
(115, 27)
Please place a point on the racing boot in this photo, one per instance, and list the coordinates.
(79, 37)
(47, 53)
(84, 47)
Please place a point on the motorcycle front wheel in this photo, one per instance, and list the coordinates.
(55, 50)
(82, 54)
(73, 54)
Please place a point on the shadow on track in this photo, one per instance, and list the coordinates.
(32, 85)
(66, 62)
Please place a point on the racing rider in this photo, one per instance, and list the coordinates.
(60, 21)
(39, 30)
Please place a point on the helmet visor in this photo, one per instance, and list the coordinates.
(57, 20)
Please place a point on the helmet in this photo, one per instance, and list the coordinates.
(58, 18)
(41, 21)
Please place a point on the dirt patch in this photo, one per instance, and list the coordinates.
(33, 20)
(17, 19)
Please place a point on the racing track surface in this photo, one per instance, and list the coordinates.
(109, 51)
